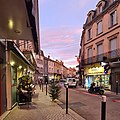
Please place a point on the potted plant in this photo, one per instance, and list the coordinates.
(24, 88)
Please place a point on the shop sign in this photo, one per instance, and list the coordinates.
(96, 70)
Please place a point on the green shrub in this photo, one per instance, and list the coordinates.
(54, 91)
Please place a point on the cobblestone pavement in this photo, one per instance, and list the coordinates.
(41, 108)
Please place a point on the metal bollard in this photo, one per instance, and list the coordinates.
(66, 99)
(103, 108)
(117, 87)
(42, 87)
(46, 88)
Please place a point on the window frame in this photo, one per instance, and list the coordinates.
(99, 28)
(89, 33)
(111, 22)
(100, 8)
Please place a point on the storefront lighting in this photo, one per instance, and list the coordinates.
(10, 23)
(12, 63)
(20, 67)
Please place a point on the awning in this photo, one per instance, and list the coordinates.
(15, 49)
(16, 22)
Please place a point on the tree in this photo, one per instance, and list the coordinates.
(54, 91)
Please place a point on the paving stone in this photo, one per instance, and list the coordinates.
(41, 108)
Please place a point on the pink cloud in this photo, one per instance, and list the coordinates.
(60, 37)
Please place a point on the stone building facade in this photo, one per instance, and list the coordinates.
(100, 39)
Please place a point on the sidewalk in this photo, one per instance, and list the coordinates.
(42, 108)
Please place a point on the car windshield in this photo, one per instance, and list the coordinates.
(71, 80)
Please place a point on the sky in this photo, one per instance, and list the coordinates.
(61, 24)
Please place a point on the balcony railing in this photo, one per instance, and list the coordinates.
(111, 55)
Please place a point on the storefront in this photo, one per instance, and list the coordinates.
(18, 67)
(2, 79)
(115, 76)
(95, 73)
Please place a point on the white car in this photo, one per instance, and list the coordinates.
(71, 82)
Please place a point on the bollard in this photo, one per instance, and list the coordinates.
(103, 108)
(117, 87)
(66, 99)
(42, 87)
(46, 88)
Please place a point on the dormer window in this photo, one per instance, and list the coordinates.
(100, 8)
(90, 15)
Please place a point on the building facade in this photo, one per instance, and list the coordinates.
(13, 62)
(99, 40)
(51, 68)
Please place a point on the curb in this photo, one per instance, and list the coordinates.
(75, 115)
(72, 113)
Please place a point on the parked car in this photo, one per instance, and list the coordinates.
(71, 82)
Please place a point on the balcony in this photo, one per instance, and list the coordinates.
(111, 55)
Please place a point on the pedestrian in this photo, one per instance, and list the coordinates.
(39, 83)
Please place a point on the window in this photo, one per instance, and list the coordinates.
(99, 27)
(113, 47)
(89, 52)
(100, 8)
(90, 17)
(90, 55)
(26, 44)
(100, 51)
(113, 18)
(89, 33)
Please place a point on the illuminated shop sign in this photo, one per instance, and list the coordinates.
(96, 70)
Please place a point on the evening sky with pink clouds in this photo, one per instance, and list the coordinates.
(61, 23)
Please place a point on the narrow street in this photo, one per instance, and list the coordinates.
(89, 105)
